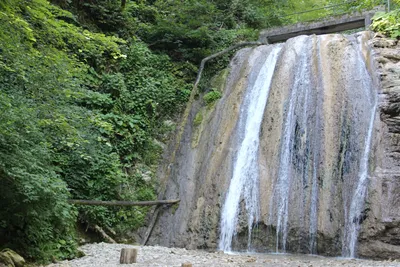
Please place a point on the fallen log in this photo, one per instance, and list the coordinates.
(104, 234)
(123, 203)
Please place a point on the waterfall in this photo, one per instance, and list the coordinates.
(244, 182)
(357, 204)
(282, 161)
(355, 216)
(321, 156)
(299, 92)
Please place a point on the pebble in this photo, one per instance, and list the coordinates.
(107, 255)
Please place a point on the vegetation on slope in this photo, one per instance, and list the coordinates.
(80, 113)
(387, 23)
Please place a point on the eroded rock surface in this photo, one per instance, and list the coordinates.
(380, 237)
(328, 142)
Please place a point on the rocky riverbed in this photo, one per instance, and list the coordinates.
(107, 255)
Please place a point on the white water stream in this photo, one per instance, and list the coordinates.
(323, 102)
(245, 175)
(355, 216)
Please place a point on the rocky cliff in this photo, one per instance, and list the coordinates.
(380, 236)
(329, 79)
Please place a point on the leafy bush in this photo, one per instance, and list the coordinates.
(387, 23)
(211, 97)
(35, 217)
(80, 111)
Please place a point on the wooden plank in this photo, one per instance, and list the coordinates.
(123, 203)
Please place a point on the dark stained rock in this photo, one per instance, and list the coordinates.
(379, 250)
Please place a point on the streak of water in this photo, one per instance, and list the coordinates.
(282, 188)
(355, 216)
(244, 182)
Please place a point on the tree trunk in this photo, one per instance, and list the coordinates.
(128, 255)
(123, 4)
(123, 203)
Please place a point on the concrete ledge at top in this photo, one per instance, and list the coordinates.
(330, 25)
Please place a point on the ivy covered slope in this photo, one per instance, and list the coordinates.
(82, 115)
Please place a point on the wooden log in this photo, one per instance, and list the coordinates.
(128, 255)
(104, 234)
(123, 203)
(187, 264)
(154, 217)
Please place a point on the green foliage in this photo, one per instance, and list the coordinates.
(198, 119)
(387, 23)
(310, 10)
(35, 217)
(80, 113)
(211, 97)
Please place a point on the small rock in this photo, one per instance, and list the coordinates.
(379, 35)
(251, 259)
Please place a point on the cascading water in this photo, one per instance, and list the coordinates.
(281, 162)
(355, 216)
(244, 181)
(299, 93)
(327, 121)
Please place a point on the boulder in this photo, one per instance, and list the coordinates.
(15, 258)
(378, 250)
(5, 261)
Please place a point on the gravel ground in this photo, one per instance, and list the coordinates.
(107, 255)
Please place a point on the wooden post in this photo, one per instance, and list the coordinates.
(128, 256)
(187, 264)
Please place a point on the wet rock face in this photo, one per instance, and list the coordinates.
(380, 236)
(330, 125)
(201, 172)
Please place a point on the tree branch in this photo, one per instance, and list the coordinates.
(233, 47)
(104, 234)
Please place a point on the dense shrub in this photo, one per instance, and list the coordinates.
(387, 23)
(79, 115)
